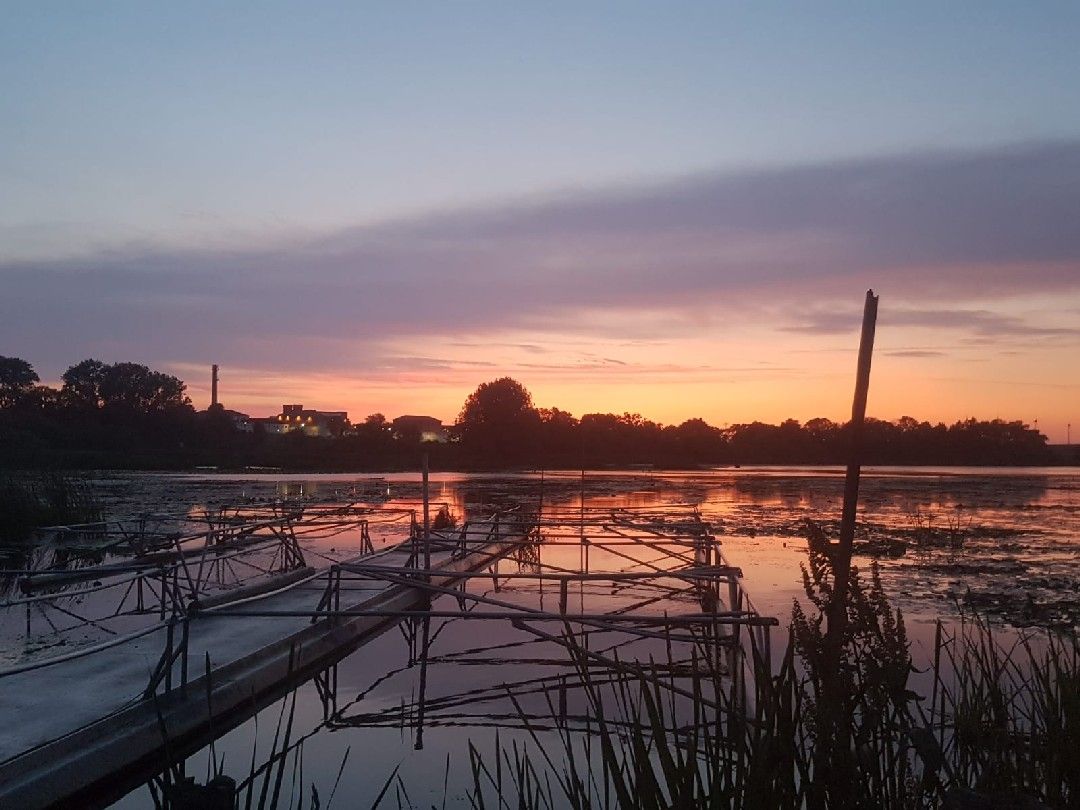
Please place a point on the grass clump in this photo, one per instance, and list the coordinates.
(993, 721)
(30, 501)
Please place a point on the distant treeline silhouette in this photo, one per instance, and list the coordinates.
(128, 416)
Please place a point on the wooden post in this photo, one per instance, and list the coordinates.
(834, 769)
(842, 559)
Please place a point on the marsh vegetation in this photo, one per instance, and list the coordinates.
(29, 501)
(962, 712)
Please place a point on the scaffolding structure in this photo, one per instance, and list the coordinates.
(600, 588)
(589, 582)
(160, 575)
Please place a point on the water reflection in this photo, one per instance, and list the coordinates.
(419, 715)
(512, 648)
(1002, 540)
(1013, 552)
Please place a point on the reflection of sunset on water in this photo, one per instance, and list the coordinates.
(1020, 527)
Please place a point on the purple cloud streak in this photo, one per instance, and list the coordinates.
(943, 234)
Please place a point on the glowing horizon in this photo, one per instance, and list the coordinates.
(445, 401)
(671, 212)
(906, 381)
(711, 297)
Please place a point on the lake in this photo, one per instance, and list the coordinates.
(1001, 541)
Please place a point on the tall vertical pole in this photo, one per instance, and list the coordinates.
(213, 385)
(425, 641)
(540, 506)
(427, 621)
(583, 555)
(842, 561)
(834, 767)
(418, 744)
(427, 522)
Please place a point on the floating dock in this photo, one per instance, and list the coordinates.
(85, 728)
(73, 724)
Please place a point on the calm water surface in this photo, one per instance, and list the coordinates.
(1003, 541)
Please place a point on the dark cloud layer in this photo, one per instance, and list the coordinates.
(979, 323)
(940, 234)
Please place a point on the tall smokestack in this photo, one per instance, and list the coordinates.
(213, 386)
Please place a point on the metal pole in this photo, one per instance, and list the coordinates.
(422, 703)
(427, 521)
(582, 555)
(419, 743)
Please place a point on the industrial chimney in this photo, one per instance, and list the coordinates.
(213, 386)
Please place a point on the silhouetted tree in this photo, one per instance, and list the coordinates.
(16, 373)
(142, 390)
(374, 436)
(134, 387)
(698, 442)
(498, 424)
(559, 437)
(82, 383)
(37, 399)
(822, 440)
(126, 415)
(16, 377)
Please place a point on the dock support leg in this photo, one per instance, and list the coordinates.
(184, 658)
(427, 522)
(419, 745)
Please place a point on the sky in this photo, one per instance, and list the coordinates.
(673, 209)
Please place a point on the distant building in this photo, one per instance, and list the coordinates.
(425, 428)
(270, 424)
(1064, 453)
(311, 422)
(240, 421)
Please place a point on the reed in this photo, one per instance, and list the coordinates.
(31, 500)
(994, 721)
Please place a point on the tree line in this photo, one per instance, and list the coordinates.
(499, 421)
(128, 416)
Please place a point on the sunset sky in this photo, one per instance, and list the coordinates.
(673, 209)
